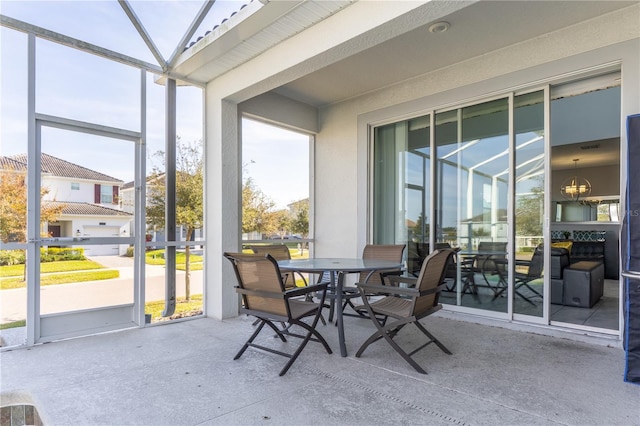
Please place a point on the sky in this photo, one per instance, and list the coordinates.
(80, 86)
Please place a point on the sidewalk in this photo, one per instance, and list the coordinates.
(88, 294)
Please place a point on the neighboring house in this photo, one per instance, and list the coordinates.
(127, 204)
(90, 201)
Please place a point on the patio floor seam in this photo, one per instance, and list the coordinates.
(391, 397)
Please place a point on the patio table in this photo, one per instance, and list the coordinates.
(339, 267)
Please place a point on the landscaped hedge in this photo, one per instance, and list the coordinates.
(54, 254)
(49, 254)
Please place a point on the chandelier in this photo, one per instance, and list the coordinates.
(574, 187)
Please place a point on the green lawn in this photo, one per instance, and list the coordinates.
(156, 257)
(61, 278)
(46, 267)
(183, 309)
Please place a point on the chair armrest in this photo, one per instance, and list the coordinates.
(389, 275)
(438, 289)
(385, 289)
(402, 291)
(397, 279)
(301, 291)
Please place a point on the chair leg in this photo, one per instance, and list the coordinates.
(311, 331)
(432, 337)
(389, 338)
(389, 331)
(254, 335)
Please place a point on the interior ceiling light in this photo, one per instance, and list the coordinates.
(439, 27)
(574, 187)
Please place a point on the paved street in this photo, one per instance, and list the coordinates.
(90, 294)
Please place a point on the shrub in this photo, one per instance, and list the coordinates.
(129, 252)
(54, 254)
(47, 254)
(11, 257)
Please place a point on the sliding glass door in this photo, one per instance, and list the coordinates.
(529, 203)
(494, 180)
(402, 182)
(472, 146)
(445, 179)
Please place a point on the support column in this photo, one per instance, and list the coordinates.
(223, 205)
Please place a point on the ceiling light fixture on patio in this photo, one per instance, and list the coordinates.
(439, 27)
(575, 187)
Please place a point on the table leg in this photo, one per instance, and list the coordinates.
(339, 320)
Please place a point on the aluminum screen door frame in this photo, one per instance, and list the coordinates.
(630, 250)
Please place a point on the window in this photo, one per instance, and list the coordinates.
(106, 194)
(75, 186)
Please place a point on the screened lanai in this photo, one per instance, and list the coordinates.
(474, 87)
(89, 84)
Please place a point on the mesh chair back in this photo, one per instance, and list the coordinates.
(261, 276)
(537, 263)
(431, 276)
(391, 252)
(277, 251)
(489, 250)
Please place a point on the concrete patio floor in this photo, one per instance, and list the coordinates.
(184, 374)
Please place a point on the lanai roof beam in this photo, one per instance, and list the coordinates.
(143, 33)
(190, 32)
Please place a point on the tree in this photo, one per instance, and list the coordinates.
(256, 210)
(189, 197)
(300, 221)
(13, 207)
(530, 211)
(282, 221)
(417, 229)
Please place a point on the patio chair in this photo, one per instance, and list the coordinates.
(534, 271)
(265, 297)
(279, 252)
(402, 306)
(391, 252)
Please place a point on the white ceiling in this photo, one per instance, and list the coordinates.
(477, 29)
(604, 152)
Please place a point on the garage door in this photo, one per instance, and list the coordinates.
(101, 231)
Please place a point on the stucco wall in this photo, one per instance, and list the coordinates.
(341, 148)
(341, 213)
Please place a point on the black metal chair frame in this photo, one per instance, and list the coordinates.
(534, 272)
(405, 305)
(295, 308)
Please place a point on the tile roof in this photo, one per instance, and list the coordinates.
(150, 180)
(58, 167)
(7, 163)
(72, 208)
(216, 26)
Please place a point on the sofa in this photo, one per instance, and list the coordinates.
(586, 245)
(560, 259)
(577, 279)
